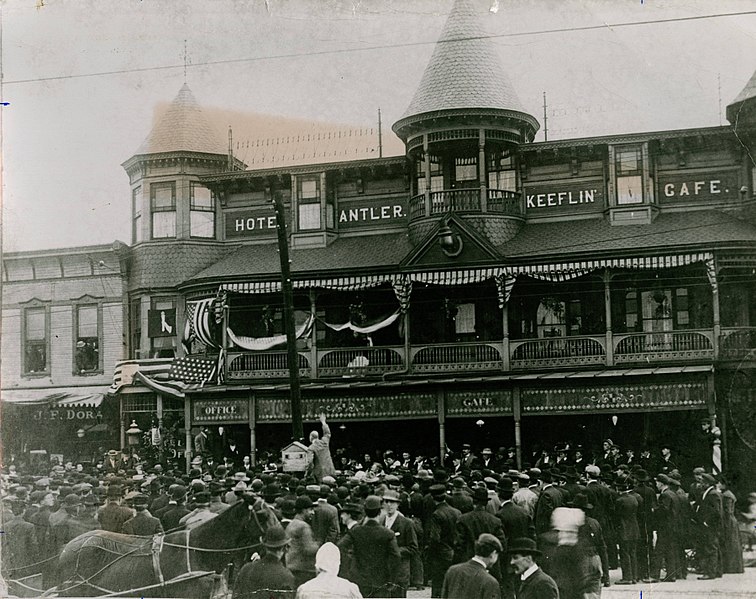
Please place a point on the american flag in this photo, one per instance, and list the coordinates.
(193, 370)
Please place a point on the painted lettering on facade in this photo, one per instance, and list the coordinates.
(682, 188)
(232, 410)
(366, 213)
(250, 223)
(566, 198)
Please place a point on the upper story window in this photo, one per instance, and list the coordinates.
(136, 212)
(163, 206)
(135, 327)
(466, 172)
(202, 212)
(309, 203)
(436, 172)
(87, 342)
(501, 172)
(629, 174)
(161, 328)
(35, 340)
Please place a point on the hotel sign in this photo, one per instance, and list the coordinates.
(564, 198)
(259, 222)
(702, 187)
(363, 213)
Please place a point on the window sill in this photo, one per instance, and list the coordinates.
(36, 375)
(88, 373)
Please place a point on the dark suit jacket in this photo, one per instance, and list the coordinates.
(143, 524)
(516, 521)
(667, 514)
(325, 523)
(470, 580)
(112, 516)
(406, 539)
(710, 512)
(626, 517)
(376, 557)
(170, 519)
(441, 532)
(549, 499)
(470, 526)
(460, 500)
(19, 545)
(539, 585)
(257, 579)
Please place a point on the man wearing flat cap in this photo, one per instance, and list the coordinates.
(534, 583)
(267, 577)
(471, 579)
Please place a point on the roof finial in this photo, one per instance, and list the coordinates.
(187, 60)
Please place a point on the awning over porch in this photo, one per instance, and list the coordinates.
(78, 397)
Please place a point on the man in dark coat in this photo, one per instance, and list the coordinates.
(406, 539)
(515, 519)
(112, 515)
(666, 519)
(440, 535)
(19, 544)
(628, 532)
(549, 499)
(473, 524)
(710, 518)
(325, 518)
(170, 518)
(460, 496)
(376, 558)
(143, 524)
(267, 578)
(470, 579)
(645, 522)
(534, 582)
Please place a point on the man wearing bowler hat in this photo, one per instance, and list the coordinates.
(710, 518)
(440, 535)
(300, 558)
(549, 499)
(267, 577)
(515, 520)
(471, 579)
(376, 558)
(534, 583)
(112, 515)
(143, 524)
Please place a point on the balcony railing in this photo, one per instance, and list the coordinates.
(264, 365)
(466, 200)
(558, 351)
(672, 347)
(664, 347)
(738, 344)
(362, 361)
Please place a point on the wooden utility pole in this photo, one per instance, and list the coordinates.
(288, 318)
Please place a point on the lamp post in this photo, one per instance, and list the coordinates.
(133, 433)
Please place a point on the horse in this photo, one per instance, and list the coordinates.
(99, 562)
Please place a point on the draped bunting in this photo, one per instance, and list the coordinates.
(197, 325)
(504, 285)
(366, 329)
(402, 289)
(266, 343)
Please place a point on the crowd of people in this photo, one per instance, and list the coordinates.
(475, 526)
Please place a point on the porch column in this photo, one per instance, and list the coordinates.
(159, 412)
(482, 170)
(252, 432)
(608, 317)
(711, 407)
(716, 321)
(441, 409)
(224, 339)
(407, 345)
(313, 340)
(427, 168)
(505, 339)
(188, 432)
(122, 432)
(517, 412)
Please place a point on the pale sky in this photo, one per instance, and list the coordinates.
(65, 134)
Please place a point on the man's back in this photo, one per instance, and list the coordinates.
(266, 578)
(376, 557)
(325, 522)
(112, 516)
(470, 580)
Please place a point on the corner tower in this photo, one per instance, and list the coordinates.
(462, 130)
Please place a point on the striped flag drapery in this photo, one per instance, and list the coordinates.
(266, 343)
(200, 321)
(169, 376)
(367, 328)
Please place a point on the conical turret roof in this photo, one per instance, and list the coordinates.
(746, 96)
(183, 127)
(464, 70)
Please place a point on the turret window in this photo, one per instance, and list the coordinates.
(501, 172)
(629, 169)
(202, 212)
(163, 206)
(136, 211)
(309, 203)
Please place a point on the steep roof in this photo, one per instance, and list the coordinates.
(464, 70)
(183, 127)
(747, 94)
(678, 230)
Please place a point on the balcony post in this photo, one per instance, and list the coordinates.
(252, 432)
(716, 320)
(427, 169)
(517, 413)
(407, 346)
(608, 317)
(441, 410)
(313, 339)
(482, 170)
(224, 339)
(507, 364)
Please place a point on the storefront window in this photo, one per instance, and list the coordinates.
(87, 351)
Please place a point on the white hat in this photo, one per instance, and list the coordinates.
(328, 558)
(567, 519)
